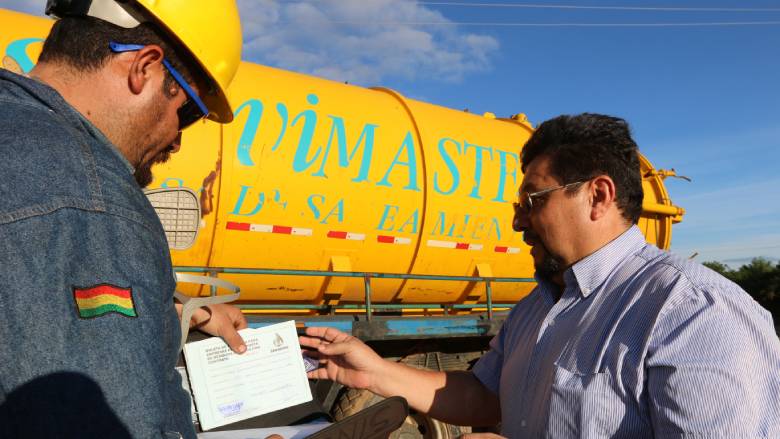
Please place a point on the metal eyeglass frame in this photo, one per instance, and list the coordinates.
(525, 204)
(119, 48)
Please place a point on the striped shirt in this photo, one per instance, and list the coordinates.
(642, 343)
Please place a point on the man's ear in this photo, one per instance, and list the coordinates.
(603, 196)
(146, 62)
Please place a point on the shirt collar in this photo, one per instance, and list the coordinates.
(589, 273)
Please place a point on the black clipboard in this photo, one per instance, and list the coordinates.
(375, 422)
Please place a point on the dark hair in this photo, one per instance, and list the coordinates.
(587, 145)
(82, 43)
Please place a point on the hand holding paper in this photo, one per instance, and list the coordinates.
(269, 376)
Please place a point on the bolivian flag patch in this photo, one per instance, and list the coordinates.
(103, 299)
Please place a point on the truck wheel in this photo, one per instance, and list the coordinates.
(417, 425)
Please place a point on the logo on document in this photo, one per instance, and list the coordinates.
(279, 344)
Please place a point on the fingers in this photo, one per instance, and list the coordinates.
(316, 337)
(318, 374)
(309, 342)
(233, 339)
(333, 349)
(200, 317)
(239, 319)
(339, 345)
(315, 331)
(225, 321)
(230, 320)
(328, 334)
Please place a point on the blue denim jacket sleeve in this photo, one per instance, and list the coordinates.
(117, 363)
(71, 218)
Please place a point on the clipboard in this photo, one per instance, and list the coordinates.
(375, 422)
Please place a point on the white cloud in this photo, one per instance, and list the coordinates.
(337, 40)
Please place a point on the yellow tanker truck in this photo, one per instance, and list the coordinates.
(384, 216)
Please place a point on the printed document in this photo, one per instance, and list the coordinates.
(229, 387)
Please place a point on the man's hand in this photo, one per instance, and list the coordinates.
(343, 358)
(454, 397)
(223, 321)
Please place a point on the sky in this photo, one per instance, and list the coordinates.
(699, 82)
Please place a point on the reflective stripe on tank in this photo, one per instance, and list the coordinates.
(347, 235)
(503, 249)
(386, 239)
(455, 245)
(267, 228)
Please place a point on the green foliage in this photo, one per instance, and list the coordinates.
(719, 267)
(760, 278)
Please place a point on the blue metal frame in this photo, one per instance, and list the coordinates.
(367, 306)
(395, 327)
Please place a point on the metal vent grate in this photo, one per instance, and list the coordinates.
(179, 212)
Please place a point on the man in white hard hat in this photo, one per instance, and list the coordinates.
(89, 325)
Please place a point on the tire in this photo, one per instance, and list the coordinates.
(416, 425)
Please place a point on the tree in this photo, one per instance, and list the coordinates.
(720, 268)
(760, 279)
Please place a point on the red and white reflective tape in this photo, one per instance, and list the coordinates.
(503, 249)
(386, 239)
(455, 245)
(267, 228)
(347, 235)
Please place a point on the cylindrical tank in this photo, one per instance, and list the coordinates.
(319, 175)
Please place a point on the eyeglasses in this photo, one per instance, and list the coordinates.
(193, 108)
(526, 202)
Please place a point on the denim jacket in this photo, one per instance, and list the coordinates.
(87, 320)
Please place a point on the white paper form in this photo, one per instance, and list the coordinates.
(229, 387)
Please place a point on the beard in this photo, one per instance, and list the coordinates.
(143, 173)
(550, 265)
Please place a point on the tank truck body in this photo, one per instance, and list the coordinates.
(332, 204)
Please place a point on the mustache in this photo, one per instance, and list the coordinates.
(551, 264)
(143, 173)
(164, 155)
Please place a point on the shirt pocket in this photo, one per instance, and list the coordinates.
(584, 405)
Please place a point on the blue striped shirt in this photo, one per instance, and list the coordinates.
(642, 343)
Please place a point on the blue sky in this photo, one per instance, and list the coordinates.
(704, 100)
